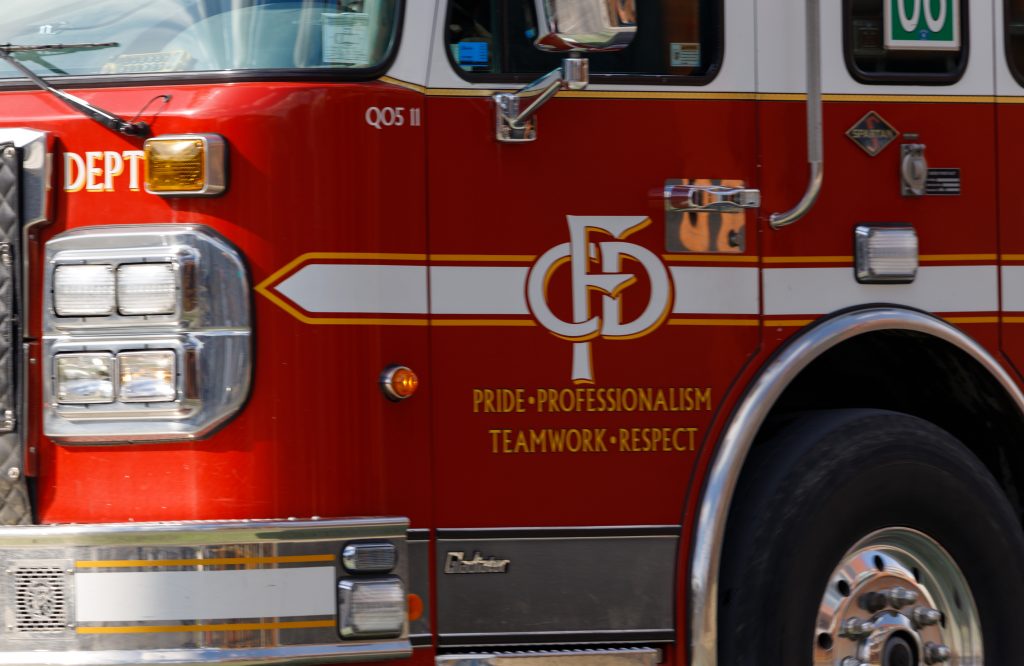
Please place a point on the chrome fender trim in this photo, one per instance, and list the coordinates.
(746, 420)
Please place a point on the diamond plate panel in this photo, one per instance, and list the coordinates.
(14, 503)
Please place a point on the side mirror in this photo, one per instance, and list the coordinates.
(575, 27)
(587, 26)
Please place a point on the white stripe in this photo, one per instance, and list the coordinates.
(1013, 288)
(489, 290)
(139, 596)
(475, 290)
(358, 288)
(707, 290)
(796, 291)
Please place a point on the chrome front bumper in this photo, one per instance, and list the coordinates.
(238, 592)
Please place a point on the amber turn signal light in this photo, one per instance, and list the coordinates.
(398, 382)
(185, 165)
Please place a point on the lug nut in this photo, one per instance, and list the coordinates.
(852, 661)
(856, 628)
(935, 653)
(900, 597)
(872, 602)
(925, 617)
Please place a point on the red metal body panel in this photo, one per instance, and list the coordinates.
(513, 200)
(952, 230)
(317, 437)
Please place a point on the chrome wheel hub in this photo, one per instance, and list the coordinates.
(897, 598)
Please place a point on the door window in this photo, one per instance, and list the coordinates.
(1015, 38)
(677, 41)
(905, 41)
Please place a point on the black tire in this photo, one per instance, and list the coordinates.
(826, 481)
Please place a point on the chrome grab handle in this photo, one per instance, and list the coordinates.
(716, 198)
(815, 151)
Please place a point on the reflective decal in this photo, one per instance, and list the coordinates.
(872, 133)
(102, 170)
(579, 254)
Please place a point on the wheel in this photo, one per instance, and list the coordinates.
(869, 537)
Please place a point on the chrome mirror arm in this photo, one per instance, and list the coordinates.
(517, 126)
(541, 91)
(815, 150)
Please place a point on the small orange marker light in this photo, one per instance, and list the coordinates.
(415, 607)
(398, 382)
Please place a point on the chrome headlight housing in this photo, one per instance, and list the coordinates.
(147, 333)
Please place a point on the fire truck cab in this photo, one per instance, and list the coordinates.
(511, 332)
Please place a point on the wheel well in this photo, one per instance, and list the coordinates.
(917, 374)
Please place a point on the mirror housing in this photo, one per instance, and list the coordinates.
(585, 26)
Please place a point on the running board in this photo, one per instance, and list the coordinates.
(617, 657)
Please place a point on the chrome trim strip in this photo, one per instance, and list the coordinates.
(815, 143)
(747, 419)
(418, 547)
(306, 654)
(113, 557)
(199, 532)
(575, 532)
(557, 637)
(605, 657)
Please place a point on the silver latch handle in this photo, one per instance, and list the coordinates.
(715, 198)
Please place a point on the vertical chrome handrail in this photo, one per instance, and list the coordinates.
(815, 150)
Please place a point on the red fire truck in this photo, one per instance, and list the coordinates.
(511, 332)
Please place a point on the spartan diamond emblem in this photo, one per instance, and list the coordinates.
(872, 133)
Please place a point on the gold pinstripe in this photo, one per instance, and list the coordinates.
(718, 96)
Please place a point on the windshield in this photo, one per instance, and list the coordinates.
(153, 36)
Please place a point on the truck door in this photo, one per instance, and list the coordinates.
(908, 135)
(594, 294)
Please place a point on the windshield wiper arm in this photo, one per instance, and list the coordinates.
(106, 118)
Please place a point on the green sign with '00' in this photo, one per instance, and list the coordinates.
(929, 25)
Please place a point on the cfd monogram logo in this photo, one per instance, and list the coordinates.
(610, 281)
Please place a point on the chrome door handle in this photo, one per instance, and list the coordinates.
(712, 198)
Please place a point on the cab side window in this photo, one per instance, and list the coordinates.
(1014, 17)
(905, 41)
(677, 41)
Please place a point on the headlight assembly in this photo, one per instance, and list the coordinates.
(146, 333)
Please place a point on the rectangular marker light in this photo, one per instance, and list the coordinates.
(85, 378)
(147, 289)
(185, 164)
(147, 376)
(371, 607)
(885, 254)
(369, 557)
(83, 290)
